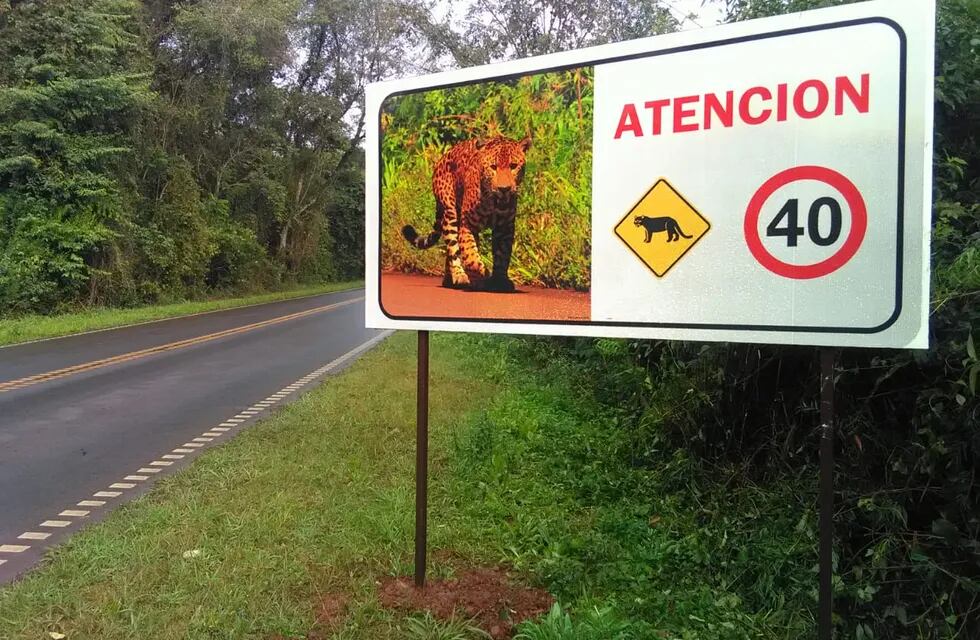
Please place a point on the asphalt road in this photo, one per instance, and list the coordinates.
(83, 413)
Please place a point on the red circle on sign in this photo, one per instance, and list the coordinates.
(859, 222)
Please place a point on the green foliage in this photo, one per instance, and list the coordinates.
(428, 628)
(551, 245)
(556, 478)
(558, 625)
(70, 93)
(162, 150)
(346, 219)
(501, 29)
(749, 9)
(238, 262)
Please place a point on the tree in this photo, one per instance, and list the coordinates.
(496, 30)
(71, 92)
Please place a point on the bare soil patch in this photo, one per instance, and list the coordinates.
(330, 613)
(488, 596)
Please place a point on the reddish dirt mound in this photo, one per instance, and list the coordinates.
(330, 611)
(486, 595)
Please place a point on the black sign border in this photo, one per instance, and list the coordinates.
(900, 244)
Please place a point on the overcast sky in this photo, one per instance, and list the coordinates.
(707, 16)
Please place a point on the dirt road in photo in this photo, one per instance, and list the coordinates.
(423, 296)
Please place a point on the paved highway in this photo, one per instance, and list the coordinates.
(90, 421)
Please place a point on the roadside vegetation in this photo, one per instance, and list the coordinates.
(37, 327)
(528, 472)
(152, 151)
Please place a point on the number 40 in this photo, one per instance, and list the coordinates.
(792, 231)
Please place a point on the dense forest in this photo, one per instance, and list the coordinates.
(166, 149)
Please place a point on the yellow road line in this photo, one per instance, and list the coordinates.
(20, 383)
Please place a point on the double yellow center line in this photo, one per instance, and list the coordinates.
(20, 383)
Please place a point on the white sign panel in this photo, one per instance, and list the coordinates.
(765, 181)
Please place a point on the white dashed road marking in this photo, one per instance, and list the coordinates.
(34, 535)
(178, 454)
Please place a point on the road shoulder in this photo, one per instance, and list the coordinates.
(27, 329)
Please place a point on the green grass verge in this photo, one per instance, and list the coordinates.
(526, 471)
(34, 327)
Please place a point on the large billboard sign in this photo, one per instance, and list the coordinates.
(764, 181)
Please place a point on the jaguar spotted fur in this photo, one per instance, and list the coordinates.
(475, 185)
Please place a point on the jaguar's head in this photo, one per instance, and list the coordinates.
(503, 166)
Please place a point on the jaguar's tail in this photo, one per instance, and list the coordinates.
(420, 242)
(683, 235)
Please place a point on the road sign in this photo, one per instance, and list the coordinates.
(654, 228)
(764, 181)
(845, 200)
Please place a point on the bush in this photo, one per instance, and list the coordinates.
(239, 262)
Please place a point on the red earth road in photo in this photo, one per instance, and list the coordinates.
(411, 295)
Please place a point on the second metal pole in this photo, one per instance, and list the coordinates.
(421, 458)
(825, 629)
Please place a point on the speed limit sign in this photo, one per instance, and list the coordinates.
(825, 216)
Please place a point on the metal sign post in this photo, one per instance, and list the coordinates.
(421, 458)
(828, 358)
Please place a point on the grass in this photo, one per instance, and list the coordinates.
(37, 327)
(318, 501)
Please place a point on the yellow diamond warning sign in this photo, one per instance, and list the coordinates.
(661, 227)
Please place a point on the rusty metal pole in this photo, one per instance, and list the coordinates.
(828, 358)
(421, 458)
